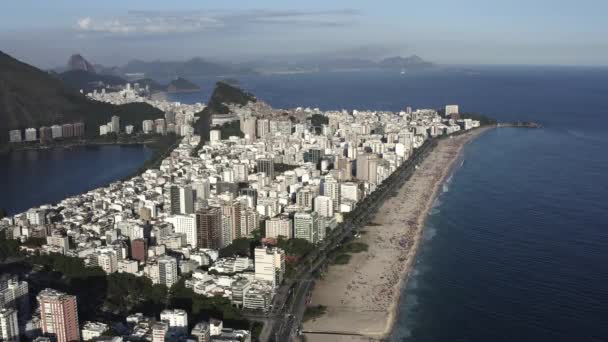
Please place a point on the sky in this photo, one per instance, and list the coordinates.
(112, 32)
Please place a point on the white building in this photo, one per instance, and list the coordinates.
(185, 224)
(103, 130)
(177, 320)
(269, 265)
(15, 136)
(215, 135)
(324, 206)
(35, 216)
(91, 330)
(279, 226)
(56, 131)
(128, 266)
(30, 134)
(9, 329)
(147, 126)
(115, 124)
(129, 129)
(108, 262)
(306, 226)
(167, 270)
(451, 109)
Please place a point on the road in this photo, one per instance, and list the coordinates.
(289, 303)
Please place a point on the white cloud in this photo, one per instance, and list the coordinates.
(168, 23)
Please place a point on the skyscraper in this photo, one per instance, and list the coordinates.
(269, 265)
(306, 226)
(139, 249)
(182, 199)
(209, 227)
(331, 189)
(266, 165)
(167, 270)
(232, 212)
(115, 124)
(59, 315)
(9, 328)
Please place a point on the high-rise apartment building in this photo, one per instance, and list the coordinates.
(9, 327)
(209, 227)
(167, 270)
(306, 226)
(182, 199)
(279, 226)
(266, 165)
(139, 250)
(269, 265)
(59, 315)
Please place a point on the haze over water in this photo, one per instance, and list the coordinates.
(517, 248)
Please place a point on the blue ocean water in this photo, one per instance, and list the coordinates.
(33, 178)
(516, 248)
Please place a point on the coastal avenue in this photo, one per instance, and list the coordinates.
(289, 303)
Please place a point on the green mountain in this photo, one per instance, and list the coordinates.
(223, 95)
(30, 97)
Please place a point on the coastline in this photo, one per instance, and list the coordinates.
(362, 297)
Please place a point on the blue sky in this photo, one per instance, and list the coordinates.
(112, 32)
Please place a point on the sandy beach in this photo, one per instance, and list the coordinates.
(362, 297)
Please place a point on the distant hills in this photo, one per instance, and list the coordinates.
(30, 97)
(181, 85)
(77, 62)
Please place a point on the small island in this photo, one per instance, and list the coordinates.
(182, 85)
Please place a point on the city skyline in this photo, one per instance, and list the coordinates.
(473, 32)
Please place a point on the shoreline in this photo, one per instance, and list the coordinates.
(363, 296)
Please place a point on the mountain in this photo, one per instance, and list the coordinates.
(193, 68)
(87, 81)
(77, 62)
(181, 85)
(408, 63)
(30, 97)
(223, 95)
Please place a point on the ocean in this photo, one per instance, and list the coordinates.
(516, 246)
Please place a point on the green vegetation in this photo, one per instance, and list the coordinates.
(313, 312)
(342, 255)
(317, 121)
(354, 247)
(239, 247)
(341, 259)
(223, 94)
(9, 248)
(232, 128)
(295, 247)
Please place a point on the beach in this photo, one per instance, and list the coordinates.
(362, 296)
